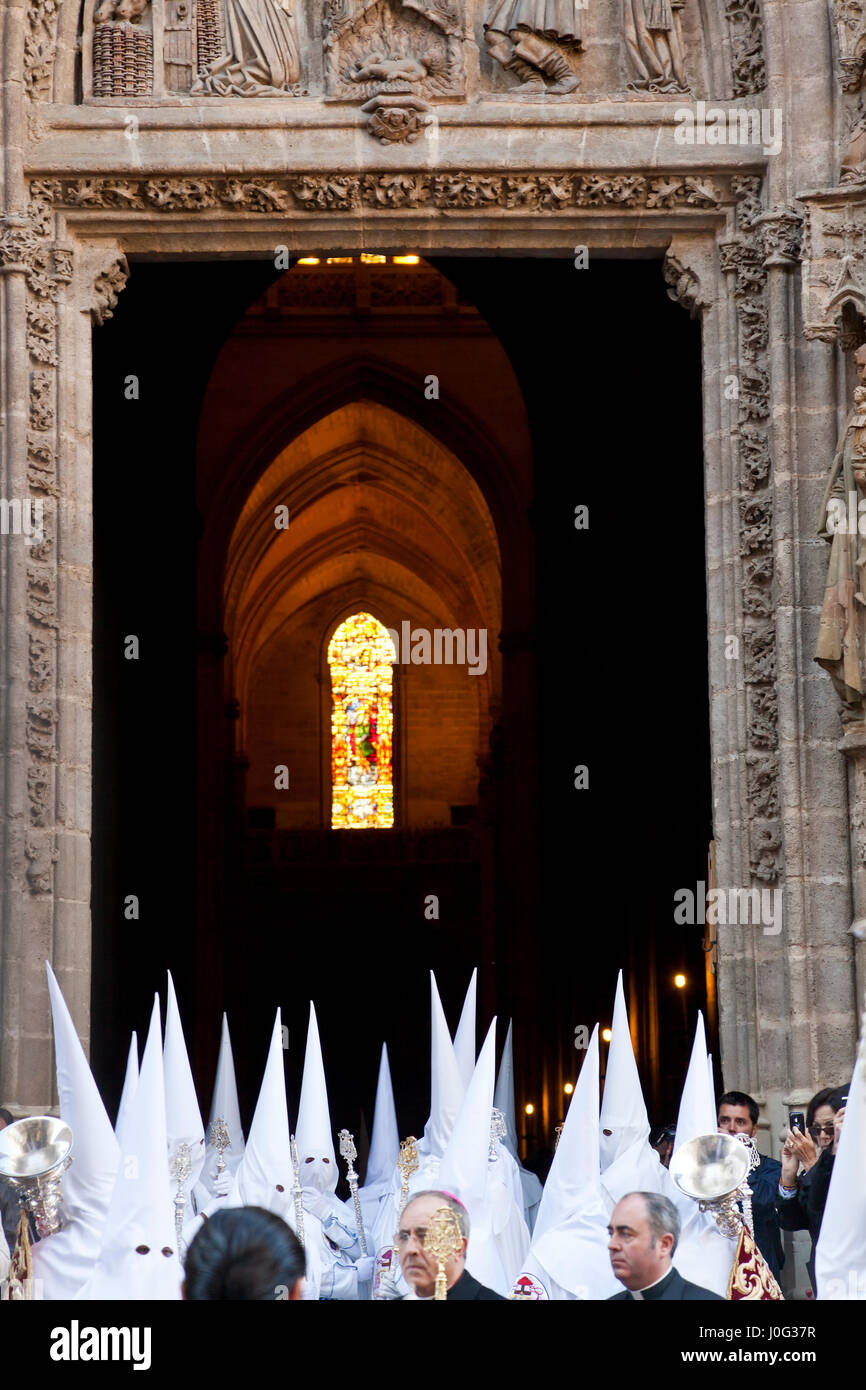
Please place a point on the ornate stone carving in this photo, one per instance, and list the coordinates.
(537, 43)
(747, 46)
(684, 285)
(395, 56)
(106, 287)
(40, 871)
(834, 260)
(39, 48)
(654, 44)
(349, 192)
(782, 234)
(761, 239)
(122, 49)
(260, 52)
(841, 647)
(40, 657)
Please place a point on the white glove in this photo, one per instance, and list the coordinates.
(364, 1266)
(222, 1184)
(316, 1203)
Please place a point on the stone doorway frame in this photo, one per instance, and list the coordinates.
(727, 259)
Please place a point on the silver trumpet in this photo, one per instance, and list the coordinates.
(34, 1155)
(714, 1170)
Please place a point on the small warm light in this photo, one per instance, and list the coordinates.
(606, 1034)
(530, 1109)
(680, 981)
(368, 258)
(406, 260)
(338, 260)
(308, 260)
(568, 1088)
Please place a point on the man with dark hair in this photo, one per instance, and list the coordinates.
(244, 1253)
(644, 1229)
(419, 1267)
(738, 1114)
(6, 1117)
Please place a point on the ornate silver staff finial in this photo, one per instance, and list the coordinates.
(349, 1153)
(298, 1194)
(219, 1136)
(179, 1170)
(745, 1189)
(498, 1130)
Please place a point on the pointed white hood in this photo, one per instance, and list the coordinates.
(623, 1111)
(568, 1257)
(464, 1038)
(182, 1115)
(628, 1163)
(446, 1087)
(130, 1081)
(224, 1106)
(840, 1255)
(503, 1096)
(264, 1176)
(385, 1143)
(313, 1134)
(703, 1256)
(138, 1260)
(64, 1261)
(697, 1112)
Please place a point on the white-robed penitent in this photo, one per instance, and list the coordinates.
(568, 1257)
(703, 1256)
(130, 1081)
(504, 1101)
(224, 1108)
(138, 1259)
(64, 1261)
(498, 1237)
(840, 1254)
(184, 1128)
(346, 1271)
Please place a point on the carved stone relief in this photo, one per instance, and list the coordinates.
(747, 46)
(537, 43)
(548, 192)
(834, 261)
(395, 56)
(259, 56)
(850, 25)
(122, 48)
(654, 44)
(761, 239)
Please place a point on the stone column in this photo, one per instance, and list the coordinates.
(53, 291)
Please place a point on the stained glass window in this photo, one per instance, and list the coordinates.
(360, 656)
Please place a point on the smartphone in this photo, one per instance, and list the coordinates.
(797, 1121)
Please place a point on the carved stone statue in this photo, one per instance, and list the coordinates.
(840, 645)
(531, 37)
(653, 40)
(260, 55)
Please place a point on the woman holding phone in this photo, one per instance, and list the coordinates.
(807, 1166)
